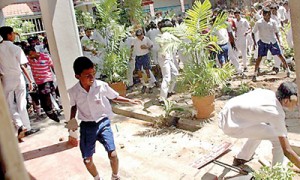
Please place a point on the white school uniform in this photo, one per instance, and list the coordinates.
(256, 115)
(93, 105)
(14, 86)
(242, 26)
(168, 68)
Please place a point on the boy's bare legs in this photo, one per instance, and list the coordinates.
(114, 162)
(257, 63)
(285, 64)
(90, 166)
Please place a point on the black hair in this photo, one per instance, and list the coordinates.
(28, 49)
(82, 63)
(286, 90)
(5, 31)
(237, 11)
(166, 23)
(266, 11)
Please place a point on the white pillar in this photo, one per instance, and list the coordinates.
(10, 153)
(62, 32)
(295, 14)
(2, 19)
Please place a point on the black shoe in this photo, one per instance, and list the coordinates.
(170, 94)
(129, 88)
(156, 84)
(276, 69)
(143, 89)
(150, 90)
(239, 162)
(32, 131)
(245, 69)
(254, 79)
(53, 116)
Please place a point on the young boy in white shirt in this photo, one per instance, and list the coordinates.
(90, 98)
(268, 40)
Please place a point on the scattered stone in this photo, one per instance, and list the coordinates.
(61, 139)
(174, 141)
(122, 146)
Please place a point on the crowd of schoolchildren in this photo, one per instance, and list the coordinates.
(28, 80)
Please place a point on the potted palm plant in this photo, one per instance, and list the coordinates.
(199, 76)
(115, 57)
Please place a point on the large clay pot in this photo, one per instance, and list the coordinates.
(204, 105)
(120, 87)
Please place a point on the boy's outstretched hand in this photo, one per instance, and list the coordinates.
(136, 101)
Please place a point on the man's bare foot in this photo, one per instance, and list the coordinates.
(73, 141)
(21, 133)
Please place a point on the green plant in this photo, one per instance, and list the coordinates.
(167, 119)
(277, 172)
(115, 57)
(169, 107)
(20, 26)
(131, 12)
(84, 19)
(195, 37)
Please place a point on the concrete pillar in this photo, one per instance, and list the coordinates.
(2, 19)
(295, 14)
(62, 32)
(10, 154)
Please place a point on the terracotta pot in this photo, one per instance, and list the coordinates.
(204, 105)
(120, 87)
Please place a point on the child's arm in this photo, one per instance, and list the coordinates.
(126, 100)
(27, 76)
(72, 123)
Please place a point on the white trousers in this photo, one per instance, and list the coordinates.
(232, 55)
(241, 45)
(15, 93)
(255, 134)
(131, 67)
(154, 54)
(169, 73)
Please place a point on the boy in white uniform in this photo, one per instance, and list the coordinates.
(165, 60)
(268, 40)
(242, 30)
(258, 115)
(141, 47)
(12, 62)
(90, 98)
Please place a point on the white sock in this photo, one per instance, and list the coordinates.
(97, 177)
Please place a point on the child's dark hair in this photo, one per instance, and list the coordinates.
(5, 31)
(266, 11)
(82, 63)
(28, 49)
(286, 90)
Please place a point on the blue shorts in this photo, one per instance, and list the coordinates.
(263, 49)
(90, 132)
(142, 61)
(223, 54)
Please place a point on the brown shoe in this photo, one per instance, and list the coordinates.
(239, 162)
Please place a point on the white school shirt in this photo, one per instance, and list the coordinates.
(164, 53)
(252, 108)
(242, 26)
(136, 43)
(93, 105)
(11, 58)
(281, 10)
(152, 34)
(222, 34)
(266, 30)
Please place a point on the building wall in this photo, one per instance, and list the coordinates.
(167, 5)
